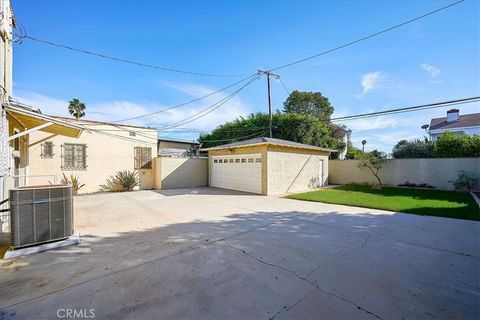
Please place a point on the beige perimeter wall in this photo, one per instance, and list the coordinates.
(172, 173)
(109, 149)
(438, 173)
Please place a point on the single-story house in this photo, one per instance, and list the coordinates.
(93, 156)
(468, 124)
(176, 148)
(268, 166)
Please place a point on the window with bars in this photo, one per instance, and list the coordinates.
(143, 158)
(47, 150)
(74, 156)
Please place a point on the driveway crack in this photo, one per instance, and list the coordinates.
(317, 287)
(346, 253)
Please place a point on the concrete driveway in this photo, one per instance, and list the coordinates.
(215, 254)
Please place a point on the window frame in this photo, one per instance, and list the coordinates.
(73, 167)
(144, 161)
(43, 153)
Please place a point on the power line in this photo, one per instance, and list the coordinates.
(132, 62)
(368, 36)
(209, 109)
(256, 134)
(188, 102)
(220, 130)
(284, 86)
(409, 109)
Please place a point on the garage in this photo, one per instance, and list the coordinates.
(241, 172)
(268, 166)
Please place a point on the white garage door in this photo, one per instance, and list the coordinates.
(239, 172)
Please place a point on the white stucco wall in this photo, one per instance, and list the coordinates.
(292, 171)
(437, 172)
(173, 173)
(469, 131)
(107, 152)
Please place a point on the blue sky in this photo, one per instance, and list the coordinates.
(431, 60)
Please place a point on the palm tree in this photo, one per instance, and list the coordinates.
(76, 108)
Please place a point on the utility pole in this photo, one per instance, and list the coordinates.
(270, 117)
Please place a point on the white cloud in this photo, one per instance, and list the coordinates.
(432, 70)
(373, 80)
(381, 122)
(121, 109)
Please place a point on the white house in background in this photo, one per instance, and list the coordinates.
(468, 124)
(176, 148)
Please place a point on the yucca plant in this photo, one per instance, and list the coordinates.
(125, 180)
(74, 182)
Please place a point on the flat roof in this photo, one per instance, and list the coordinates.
(178, 141)
(268, 141)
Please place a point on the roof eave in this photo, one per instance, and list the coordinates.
(12, 107)
(269, 143)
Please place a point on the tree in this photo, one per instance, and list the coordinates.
(76, 108)
(288, 126)
(308, 103)
(373, 161)
(413, 149)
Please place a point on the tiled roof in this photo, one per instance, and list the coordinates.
(272, 141)
(466, 120)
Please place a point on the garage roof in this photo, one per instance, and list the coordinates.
(268, 141)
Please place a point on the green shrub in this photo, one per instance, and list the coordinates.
(122, 181)
(413, 149)
(450, 145)
(74, 182)
(466, 181)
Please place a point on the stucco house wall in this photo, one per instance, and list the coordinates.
(292, 170)
(173, 173)
(110, 148)
(469, 131)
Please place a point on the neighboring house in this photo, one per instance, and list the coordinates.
(99, 152)
(176, 148)
(468, 124)
(268, 166)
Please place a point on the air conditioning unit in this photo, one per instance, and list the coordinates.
(40, 214)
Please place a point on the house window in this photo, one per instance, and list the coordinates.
(258, 159)
(250, 160)
(244, 160)
(237, 160)
(220, 160)
(132, 134)
(143, 158)
(47, 150)
(74, 156)
(215, 161)
(230, 160)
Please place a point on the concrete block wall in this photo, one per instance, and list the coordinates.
(437, 172)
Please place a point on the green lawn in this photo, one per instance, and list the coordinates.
(451, 204)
